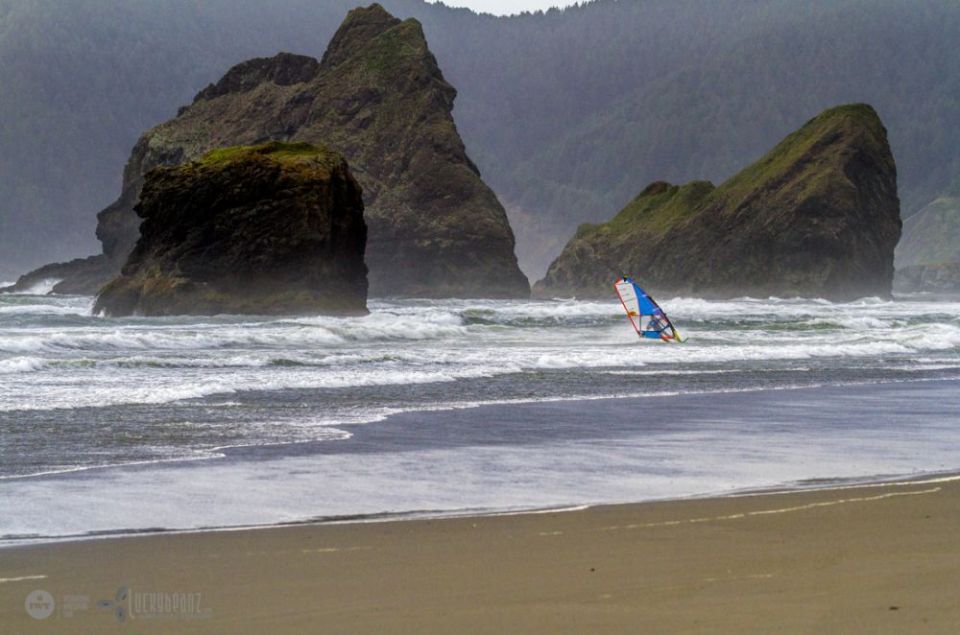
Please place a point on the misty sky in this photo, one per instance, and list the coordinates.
(507, 7)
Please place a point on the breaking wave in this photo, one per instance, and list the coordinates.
(53, 354)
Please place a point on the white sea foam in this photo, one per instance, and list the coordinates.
(325, 332)
(36, 309)
(675, 460)
(151, 379)
(20, 365)
(41, 287)
(104, 362)
(230, 371)
(84, 391)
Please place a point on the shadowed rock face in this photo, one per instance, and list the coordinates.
(270, 229)
(378, 98)
(817, 216)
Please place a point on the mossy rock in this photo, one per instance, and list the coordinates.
(379, 99)
(275, 228)
(817, 216)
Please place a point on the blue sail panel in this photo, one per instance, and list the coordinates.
(645, 315)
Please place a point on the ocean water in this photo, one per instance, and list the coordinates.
(111, 425)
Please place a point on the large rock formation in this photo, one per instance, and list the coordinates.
(928, 254)
(81, 276)
(274, 228)
(932, 235)
(817, 216)
(936, 278)
(379, 98)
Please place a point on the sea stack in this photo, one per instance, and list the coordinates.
(932, 235)
(271, 229)
(379, 99)
(817, 216)
(928, 254)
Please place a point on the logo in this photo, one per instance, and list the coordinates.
(118, 604)
(128, 604)
(39, 604)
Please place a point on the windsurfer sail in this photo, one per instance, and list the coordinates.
(646, 316)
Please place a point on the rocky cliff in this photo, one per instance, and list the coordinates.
(268, 229)
(935, 278)
(816, 216)
(928, 254)
(932, 235)
(379, 98)
(81, 276)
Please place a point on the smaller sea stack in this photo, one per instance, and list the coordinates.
(269, 229)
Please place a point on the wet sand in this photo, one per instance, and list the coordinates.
(882, 558)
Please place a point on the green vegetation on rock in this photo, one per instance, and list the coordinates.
(816, 216)
(291, 153)
(568, 114)
(396, 47)
(659, 207)
(274, 228)
(379, 99)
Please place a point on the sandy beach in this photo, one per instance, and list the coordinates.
(878, 558)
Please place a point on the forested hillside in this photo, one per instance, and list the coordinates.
(567, 113)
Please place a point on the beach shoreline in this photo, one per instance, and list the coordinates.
(817, 485)
(828, 559)
(510, 458)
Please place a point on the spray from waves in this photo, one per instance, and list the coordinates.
(41, 287)
(178, 387)
(291, 349)
(162, 379)
(33, 311)
(166, 360)
(144, 387)
(40, 310)
(21, 365)
(311, 333)
(741, 314)
(569, 313)
(456, 320)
